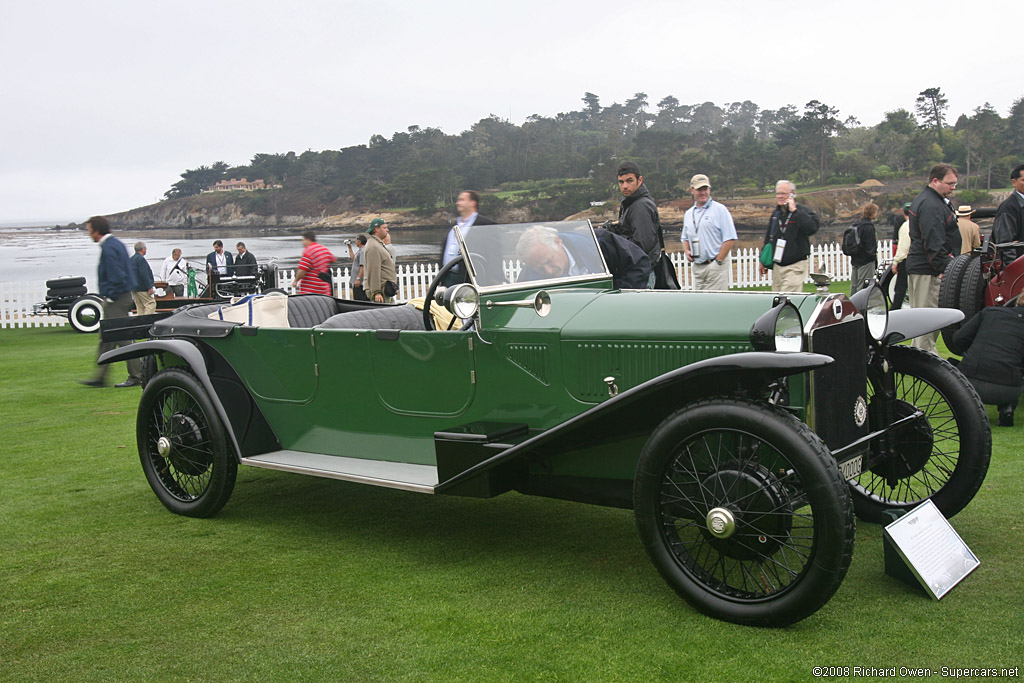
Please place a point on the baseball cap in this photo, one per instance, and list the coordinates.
(699, 180)
(374, 224)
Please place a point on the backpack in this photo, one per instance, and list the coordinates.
(851, 241)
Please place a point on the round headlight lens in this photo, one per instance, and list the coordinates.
(789, 334)
(465, 301)
(877, 314)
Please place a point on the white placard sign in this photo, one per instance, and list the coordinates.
(932, 549)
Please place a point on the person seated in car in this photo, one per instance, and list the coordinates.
(547, 253)
(993, 343)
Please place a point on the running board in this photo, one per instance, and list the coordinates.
(395, 475)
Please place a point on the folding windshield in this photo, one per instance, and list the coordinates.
(527, 252)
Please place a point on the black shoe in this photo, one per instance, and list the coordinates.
(130, 382)
(91, 382)
(1006, 415)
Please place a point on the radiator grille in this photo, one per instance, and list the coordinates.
(836, 388)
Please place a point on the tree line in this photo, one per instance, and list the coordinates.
(744, 148)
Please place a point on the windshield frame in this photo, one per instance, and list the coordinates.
(575, 226)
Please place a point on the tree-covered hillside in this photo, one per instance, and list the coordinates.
(742, 147)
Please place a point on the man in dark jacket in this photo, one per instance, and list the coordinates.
(245, 262)
(467, 205)
(934, 238)
(638, 214)
(993, 343)
(115, 285)
(142, 275)
(629, 265)
(1009, 223)
(789, 229)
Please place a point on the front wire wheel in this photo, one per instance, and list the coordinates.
(183, 445)
(942, 456)
(743, 511)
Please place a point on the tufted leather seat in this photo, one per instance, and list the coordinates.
(406, 317)
(309, 310)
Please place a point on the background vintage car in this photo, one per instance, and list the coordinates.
(744, 429)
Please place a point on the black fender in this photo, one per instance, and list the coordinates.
(193, 357)
(907, 323)
(645, 405)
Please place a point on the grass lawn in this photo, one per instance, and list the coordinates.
(314, 579)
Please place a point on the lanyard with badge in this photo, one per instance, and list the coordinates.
(695, 242)
(780, 242)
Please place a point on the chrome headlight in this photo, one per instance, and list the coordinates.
(780, 329)
(871, 302)
(462, 300)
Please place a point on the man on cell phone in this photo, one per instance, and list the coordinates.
(790, 229)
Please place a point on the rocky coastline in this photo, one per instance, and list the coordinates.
(835, 206)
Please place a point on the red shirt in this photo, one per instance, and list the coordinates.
(316, 258)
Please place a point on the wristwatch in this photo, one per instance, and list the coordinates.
(718, 261)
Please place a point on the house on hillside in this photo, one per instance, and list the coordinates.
(243, 184)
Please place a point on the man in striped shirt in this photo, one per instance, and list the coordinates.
(315, 261)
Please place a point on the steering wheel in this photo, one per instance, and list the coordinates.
(481, 268)
(428, 319)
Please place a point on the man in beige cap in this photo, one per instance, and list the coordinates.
(970, 233)
(708, 236)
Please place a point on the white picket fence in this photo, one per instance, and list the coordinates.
(16, 298)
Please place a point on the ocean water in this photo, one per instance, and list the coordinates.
(37, 254)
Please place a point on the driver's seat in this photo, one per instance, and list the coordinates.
(406, 317)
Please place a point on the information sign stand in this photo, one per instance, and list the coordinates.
(922, 549)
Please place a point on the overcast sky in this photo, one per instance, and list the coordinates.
(105, 103)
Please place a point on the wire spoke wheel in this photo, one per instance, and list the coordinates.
(744, 513)
(183, 445)
(942, 455)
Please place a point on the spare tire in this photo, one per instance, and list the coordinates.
(949, 294)
(68, 293)
(65, 282)
(972, 292)
(952, 282)
(963, 288)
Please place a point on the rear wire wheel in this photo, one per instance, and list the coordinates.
(183, 445)
(942, 456)
(743, 511)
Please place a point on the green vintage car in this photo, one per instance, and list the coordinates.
(744, 429)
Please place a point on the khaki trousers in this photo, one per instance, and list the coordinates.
(145, 304)
(924, 293)
(790, 278)
(711, 276)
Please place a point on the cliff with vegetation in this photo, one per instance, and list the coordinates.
(553, 167)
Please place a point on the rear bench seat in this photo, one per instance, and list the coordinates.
(322, 311)
(406, 317)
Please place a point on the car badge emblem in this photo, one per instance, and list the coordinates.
(860, 411)
(837, 309)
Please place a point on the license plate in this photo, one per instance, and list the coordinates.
(851, 468)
